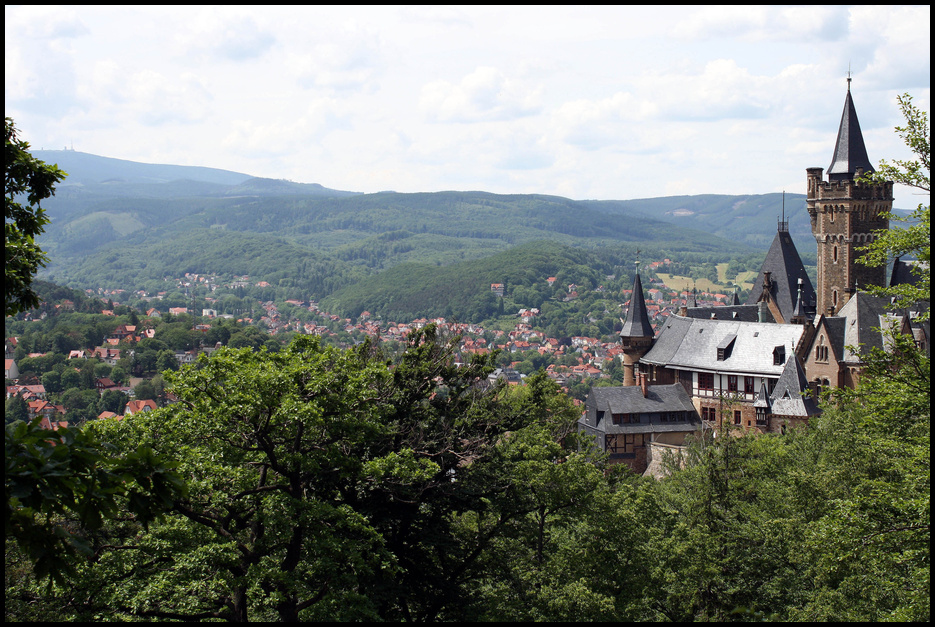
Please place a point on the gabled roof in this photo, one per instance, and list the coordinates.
(637, 323)
(849, 150)
(863, 316)
(834, 329)
(791, 396)
(691, 344)
(630, 400)
(785, 268)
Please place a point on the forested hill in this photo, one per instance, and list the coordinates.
(121, 224)
(462, 290)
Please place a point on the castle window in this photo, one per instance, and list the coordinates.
(834, 298)
(779, 356)
(737, 417)
(706, 381)
(748, 383)
(731, 383)
(834, 254)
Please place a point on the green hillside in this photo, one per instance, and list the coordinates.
(373, 231)
(750, 219)
(118, 223)
(462, 290)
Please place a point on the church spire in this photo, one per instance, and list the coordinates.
(850, 154)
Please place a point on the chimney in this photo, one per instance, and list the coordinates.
(643, 384)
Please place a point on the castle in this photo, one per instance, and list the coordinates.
(761, 365)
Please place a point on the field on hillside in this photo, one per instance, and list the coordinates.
(679, 283)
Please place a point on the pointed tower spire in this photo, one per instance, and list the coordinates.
(637, 322)
(850, 154)
(636, 336)
(798, 313)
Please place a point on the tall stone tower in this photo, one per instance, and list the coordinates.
(636, 336)
(844, 214)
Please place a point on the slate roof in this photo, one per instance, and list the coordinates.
(630, 400)
(903, 274)
(785, 268)
(863, 314)
(691, 344)
(745, 313)
(791, 396)
(637, 323)
(849, 150)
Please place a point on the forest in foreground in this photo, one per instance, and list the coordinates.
(319, 483)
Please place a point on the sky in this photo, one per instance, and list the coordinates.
(582, 102)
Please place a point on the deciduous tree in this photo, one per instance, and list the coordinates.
(23, 175)
(915, 239)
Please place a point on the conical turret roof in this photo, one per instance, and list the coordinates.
(849, 150)
(637, 322)
(785, 268)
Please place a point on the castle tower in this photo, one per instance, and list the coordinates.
(636, 336)
(844, 214)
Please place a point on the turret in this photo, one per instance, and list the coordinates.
(636, 336)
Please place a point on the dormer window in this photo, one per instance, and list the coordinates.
(779, 355)
(725, 347)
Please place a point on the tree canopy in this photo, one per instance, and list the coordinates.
(23, 175)
(914, 240)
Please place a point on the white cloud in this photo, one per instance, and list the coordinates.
(39, 64)
(232, 37)
(483, 95)
(895, 53)
(281, 134)
(764, 23)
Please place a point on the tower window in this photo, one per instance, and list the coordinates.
(834, 254)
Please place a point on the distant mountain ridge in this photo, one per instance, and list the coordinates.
(86, 169)
(120, 177)
(125, 224)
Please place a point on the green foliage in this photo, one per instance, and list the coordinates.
(23, 175)
(330, 484)
(52, 477)
(914, 240)
(15, 409)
